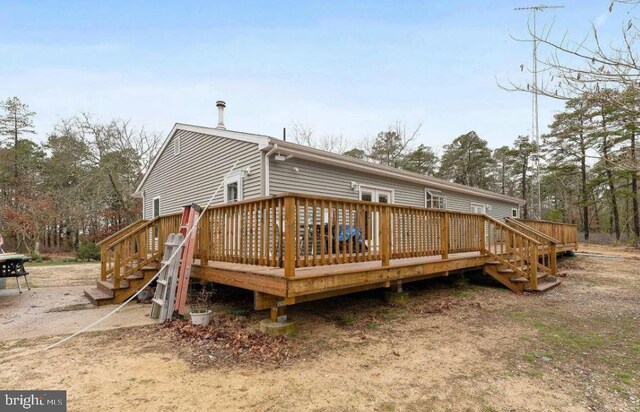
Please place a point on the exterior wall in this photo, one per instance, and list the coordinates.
(320, 179)
(194, 174)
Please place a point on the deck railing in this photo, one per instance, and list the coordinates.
(291, 231)
(136, 246)
(548, 250)
(564, 233)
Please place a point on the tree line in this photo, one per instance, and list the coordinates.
(75, 186)
(588, 173)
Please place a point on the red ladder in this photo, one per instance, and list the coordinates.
(190, 216)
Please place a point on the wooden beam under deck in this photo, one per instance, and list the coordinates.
(318, 282)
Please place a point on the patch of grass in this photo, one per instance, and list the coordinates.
(529, 357)
(240, 312)
(390, 314)
(620, 389)
(372, 325)
(462, 293)
(561, 336)
(346, 319)
(520, 315)
(625, 377)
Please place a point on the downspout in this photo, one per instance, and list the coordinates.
(266, 168)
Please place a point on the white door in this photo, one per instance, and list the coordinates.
(372, 238)
(481, 209)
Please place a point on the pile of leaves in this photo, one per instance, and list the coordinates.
(228, 340)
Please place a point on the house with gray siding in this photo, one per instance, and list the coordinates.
(194, 160)
(293, 223)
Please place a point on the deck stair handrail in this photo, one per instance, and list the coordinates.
(292, 230)
(548, 250)
(141, 244)
(535, 233)
(564, 233)
(122, 232)
(513, 249)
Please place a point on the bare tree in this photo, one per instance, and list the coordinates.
(335, 143)
(575, 68)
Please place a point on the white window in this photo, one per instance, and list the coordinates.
(478, 208)
(434, 199)
(233, 188)
(176, 146)
(375, 194)
(514, 212)
(156, 206)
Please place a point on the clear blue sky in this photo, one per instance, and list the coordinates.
(334, 66)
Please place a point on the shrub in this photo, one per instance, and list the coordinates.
(88, 250)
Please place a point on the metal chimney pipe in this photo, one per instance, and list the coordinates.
(221, 105)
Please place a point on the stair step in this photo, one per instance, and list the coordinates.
(507, 270)
(95, 295)
(543, 286)
(520, 279)
(135, 276)
(158, 301)
(493, 263)
(108, 286)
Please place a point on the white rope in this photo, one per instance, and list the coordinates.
(164, 265)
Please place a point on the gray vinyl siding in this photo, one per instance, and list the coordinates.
(195, 173)
(303, 176)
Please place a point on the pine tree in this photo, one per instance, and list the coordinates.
(503, 159)
(467, 160)
(567, 142)
(521, 154)
(422, 160)
(16, 121)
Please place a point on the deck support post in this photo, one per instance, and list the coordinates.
(278, 324)
(279, 312)
(385, 238)
(290, 236)
(396, 296)
(444, 236)
(553, 259)
(117, 266)
(533, 266)
(103, 262)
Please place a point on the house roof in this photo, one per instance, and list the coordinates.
(305, 152)
(347, 162)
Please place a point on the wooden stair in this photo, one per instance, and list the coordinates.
(517, 280)
(105, 293)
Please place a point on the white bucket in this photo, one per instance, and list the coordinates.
(201, 318)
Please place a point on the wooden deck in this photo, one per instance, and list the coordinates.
(319, 282)
(292, 248)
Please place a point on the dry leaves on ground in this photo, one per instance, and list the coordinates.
(228, 340)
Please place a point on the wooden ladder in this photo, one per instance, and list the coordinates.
(190, 216)
(165, 293)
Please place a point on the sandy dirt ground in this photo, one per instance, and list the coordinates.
(56, 304)
(460, 344)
